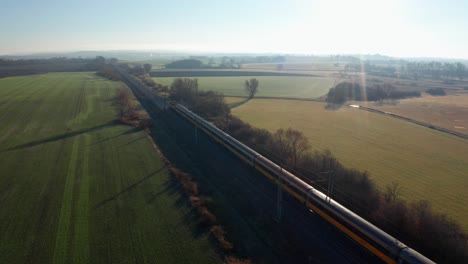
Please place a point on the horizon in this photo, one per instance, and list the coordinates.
(396, 29)
(64, 53)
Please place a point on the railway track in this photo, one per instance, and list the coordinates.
(339, 248)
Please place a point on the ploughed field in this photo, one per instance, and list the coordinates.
(269, 86)
(77, 187)
(430, 165)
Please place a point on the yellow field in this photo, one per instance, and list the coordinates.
(449, 111)
(429, 164)
(231, 100)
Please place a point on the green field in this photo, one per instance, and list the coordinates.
(428, 164)
(77, 187)
(269, 86)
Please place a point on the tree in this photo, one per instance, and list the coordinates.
(184, 90)
(251, 86)
(461, 68)
(100, 60)
(137, 70)
(124, 103)
(291, 145)
(147, 67)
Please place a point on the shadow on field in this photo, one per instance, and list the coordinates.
(122, 132)
(63, 136)
(129, 188)
(234, 105)
(171, 187)
(133, 141)
(333, 107)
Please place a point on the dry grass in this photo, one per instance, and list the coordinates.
(428, 164)
(450, 112)
(231, 100)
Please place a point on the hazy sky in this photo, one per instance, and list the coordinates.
(435, 28)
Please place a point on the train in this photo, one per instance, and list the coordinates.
(375, 240)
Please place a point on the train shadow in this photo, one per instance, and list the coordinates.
(65, 135)
(128, 188)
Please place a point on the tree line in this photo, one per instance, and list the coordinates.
(413, 223)
(345, 91)
(225, 62)
(434, 70)
(208, 104)
(38, 66)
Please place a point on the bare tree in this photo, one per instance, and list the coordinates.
(392, 192)
(184, 90)
(251, 86)
(124, 103)
(291, 145)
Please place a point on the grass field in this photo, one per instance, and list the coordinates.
(449, 111)
(296, 66)
(274, 86)
(428, 164)
(76, 187)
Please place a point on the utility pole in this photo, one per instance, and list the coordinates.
(331, 182)
(279, 200)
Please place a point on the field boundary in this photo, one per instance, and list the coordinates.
(438, 128)
(235, 105)
(224, 73)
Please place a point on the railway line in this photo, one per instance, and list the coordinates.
(316, 223)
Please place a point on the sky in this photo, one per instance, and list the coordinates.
(401, 28)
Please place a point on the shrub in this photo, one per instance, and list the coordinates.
(218, 234)
(206, 217)
(195, 201)
(233, 260)
(436, 91)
